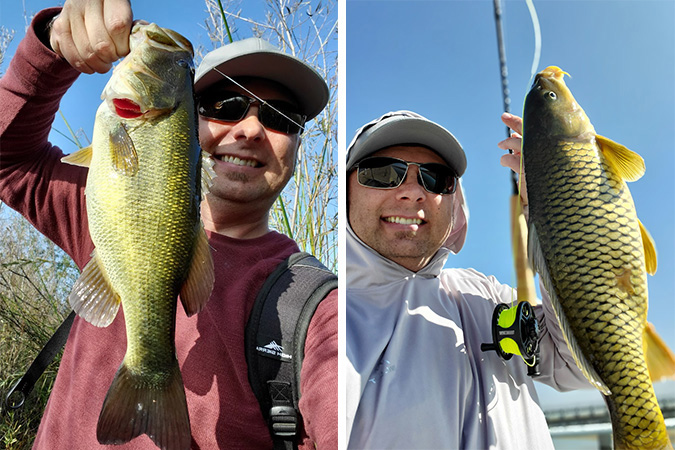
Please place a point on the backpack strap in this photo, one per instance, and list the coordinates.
(275, 340)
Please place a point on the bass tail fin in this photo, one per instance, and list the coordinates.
(135, 405)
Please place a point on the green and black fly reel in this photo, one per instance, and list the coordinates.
(515, 331)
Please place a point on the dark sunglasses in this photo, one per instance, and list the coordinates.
(383, 172)
(276, 115)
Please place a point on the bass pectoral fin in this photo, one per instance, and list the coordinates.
(92, 297)
(660, 359)
(81, 157)
(199, 283)
(649, 249)
(124, 156)
(208, 174)
(538, 262)
(628, 165)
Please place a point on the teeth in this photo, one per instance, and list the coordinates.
(237, 161)
(403, 220)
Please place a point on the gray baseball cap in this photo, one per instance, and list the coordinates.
(406, 128)
(255, 57)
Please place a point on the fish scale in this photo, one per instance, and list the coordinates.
(587, 243)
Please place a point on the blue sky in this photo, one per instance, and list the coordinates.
(440, 59)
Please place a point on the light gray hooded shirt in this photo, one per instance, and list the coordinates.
(416, 376)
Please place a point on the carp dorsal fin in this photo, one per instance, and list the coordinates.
(92, 297)
(208, 174)
(199, 283)
(649, 248)
(628, 165)
(124, 156)
(81, 157)
(660, 359)
(536, 257)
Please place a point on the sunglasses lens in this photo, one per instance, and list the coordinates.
(272, 116)
(438, 179)
(381, 173)
(386, 173)
(230, 109)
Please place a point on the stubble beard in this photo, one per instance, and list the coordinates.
(405, 239)
(237, 176)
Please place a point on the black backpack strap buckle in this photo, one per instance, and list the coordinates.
(283, 416)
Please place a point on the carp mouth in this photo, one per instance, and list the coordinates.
(554, 72)
(549, 78)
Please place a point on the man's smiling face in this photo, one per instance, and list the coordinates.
(406, 224)
(253, 163)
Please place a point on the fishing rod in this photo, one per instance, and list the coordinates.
(515, 330)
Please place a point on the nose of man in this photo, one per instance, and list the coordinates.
(410, 188)
(249, 127)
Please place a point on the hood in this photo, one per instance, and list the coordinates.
(460, 219)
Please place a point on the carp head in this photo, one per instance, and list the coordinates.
(550, 107)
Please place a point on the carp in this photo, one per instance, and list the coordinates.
(144, 187)
(593, 255)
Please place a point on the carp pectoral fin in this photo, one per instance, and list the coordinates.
(628, 165)
(650, 250)
(534, 253)
(660, 359)
(208, 174)
(199, 283)
(81, 157)
(124, 156)
(135, 405)
(92, 297)
(538, 262)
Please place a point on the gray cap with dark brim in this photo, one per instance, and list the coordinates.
(255, 57)
(406, 128)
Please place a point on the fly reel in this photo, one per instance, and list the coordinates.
(515, 331)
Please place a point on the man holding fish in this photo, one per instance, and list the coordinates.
(416, 374)
(251, 146)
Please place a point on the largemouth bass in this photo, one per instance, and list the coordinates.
(143, 195)
(593, 255)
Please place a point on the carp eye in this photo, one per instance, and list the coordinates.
(551, 95)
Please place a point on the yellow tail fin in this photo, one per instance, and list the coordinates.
(660, 359)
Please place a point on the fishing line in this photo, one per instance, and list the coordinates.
(258, 98)
(537, 38)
